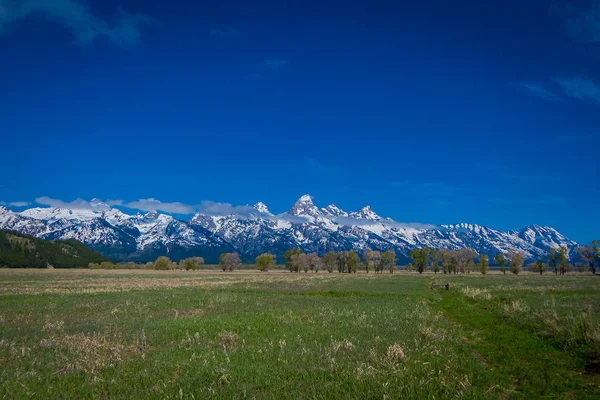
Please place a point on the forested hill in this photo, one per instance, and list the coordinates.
(24, 251)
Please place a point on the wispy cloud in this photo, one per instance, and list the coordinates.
(15, 203)
(224, 32)
(75, 204)
(78, 17)
(580, 88)
(152, 204)
(581, 23)
(350, 221)
(215, 208)
(538, 89)
(275, 64)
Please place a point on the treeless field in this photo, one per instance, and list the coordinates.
(210, 334)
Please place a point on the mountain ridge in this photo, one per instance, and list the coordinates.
(256, 229)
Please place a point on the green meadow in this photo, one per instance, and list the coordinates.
(246, 334)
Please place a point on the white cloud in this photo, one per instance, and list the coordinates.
(350, 221)
(77, 17)
(81, 204)
(580, 88)
(152, 204)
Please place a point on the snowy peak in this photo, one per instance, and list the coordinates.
(151, 215)
(365, 213)
(305, 207)
(464, 227)
(256, 230)
(262, 208)
(334, 211)
(99, 205)
(544, 236)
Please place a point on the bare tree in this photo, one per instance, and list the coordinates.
(372, 260)
(315, 262)
(465, 257)
(517, 258)
(449, 261)
(229, 261)
(388, 261)
(587, 254)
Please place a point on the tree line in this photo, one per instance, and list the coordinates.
(465, 260)
(343, 261)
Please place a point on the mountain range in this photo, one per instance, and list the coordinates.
(252, 230)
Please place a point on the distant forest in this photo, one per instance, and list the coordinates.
(24, 251)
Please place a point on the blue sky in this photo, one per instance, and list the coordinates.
(444, 112)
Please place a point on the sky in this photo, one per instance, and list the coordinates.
(432, 112)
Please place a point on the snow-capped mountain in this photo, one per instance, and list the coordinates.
(116, 234)
(256, 230)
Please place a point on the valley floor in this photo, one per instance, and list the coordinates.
(210, 334)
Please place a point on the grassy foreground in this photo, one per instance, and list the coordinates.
(208, 334)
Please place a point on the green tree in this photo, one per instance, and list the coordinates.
(563, 261)
(287, 256)
(435, 260)
(330, 260)
(265, 261)
(388, 261)
(501, 261)
(552, 260)
(540, 266)
(484, 264)
(353, 261)
(192, 263)
(517, 258)
(420, 257)
(596, 254)
(342, 261)
(162, 263)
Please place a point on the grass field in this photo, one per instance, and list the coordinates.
(209, 334)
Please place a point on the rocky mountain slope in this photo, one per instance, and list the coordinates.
(313, 229)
